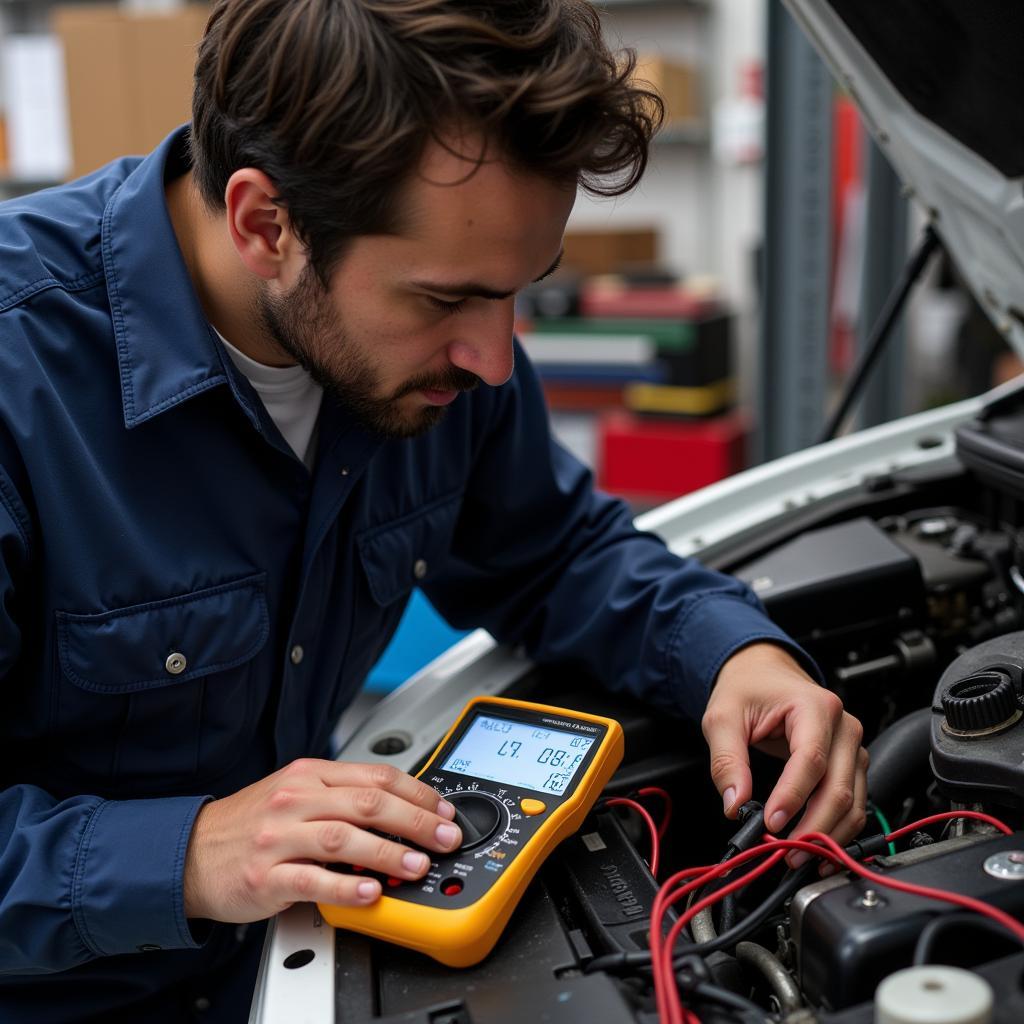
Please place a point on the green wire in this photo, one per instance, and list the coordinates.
(884, 822)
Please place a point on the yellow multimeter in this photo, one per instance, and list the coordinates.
(522, 778)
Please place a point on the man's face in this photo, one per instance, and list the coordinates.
(409, 321)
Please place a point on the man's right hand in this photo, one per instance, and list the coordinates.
(255, 853)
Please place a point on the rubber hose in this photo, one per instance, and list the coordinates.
(899, 760)
(769, 966)
(703, 927)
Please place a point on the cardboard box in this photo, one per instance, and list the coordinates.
(129, 77)
(609, 252)
(676, 83)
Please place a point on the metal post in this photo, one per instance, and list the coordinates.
(796, 278)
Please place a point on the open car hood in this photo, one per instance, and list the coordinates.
(940, 85)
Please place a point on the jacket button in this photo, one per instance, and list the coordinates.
(297, 654)
(175, 663)
(419, 568)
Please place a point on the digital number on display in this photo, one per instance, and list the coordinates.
(519, 755)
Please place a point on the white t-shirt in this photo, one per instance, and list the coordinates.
(291, 396)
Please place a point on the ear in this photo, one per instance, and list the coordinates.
(261, 229)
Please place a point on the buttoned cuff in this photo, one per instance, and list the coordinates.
(128, 889)
(708, 633)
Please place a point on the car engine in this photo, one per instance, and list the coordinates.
(908, 592)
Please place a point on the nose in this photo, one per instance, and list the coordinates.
(484, 342)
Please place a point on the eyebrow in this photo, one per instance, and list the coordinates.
(471, 289)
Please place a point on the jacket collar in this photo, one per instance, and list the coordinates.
(165, 346)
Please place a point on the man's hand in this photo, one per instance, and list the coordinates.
(257, 852)
(763, 698)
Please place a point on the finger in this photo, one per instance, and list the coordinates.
(809, 729)
(840, 798)
(853, 824)
(388, 778)
(833, 799)
(310, 883)
(341, 842)
(376, 809)
(730, 759)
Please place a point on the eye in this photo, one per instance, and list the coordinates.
(447, 307)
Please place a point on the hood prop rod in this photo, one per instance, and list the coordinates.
(881, 330)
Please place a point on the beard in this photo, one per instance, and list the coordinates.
(308, 328)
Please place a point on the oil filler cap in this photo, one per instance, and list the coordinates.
(979, 702)
(933, 995)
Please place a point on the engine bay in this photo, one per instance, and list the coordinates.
(908, 593)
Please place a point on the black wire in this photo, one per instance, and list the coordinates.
(790, 884)
(716, 994)
(934, 928)
(727, 915)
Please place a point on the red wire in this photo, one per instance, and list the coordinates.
(670, 1009)
(914, 826)
(661, 953)
(622, 801)
(663, 795)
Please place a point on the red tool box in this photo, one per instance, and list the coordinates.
(652, 460)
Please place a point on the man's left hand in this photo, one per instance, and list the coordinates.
(763, 698)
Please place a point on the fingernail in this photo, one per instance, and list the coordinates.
(828, 870)
(445, 809)
(447, 835)
(777, 820)
(728, 797)
(798, 859)
(415, 862)
(368, 890)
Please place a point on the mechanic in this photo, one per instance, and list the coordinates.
(254, 388)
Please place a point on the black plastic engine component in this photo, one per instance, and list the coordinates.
(834, 578)
(604, 886)
(850, 936)
(899, 760)
(945, 550)
(977, 730)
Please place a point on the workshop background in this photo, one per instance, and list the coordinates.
(698, 326)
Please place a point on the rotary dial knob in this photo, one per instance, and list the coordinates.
(478, 815)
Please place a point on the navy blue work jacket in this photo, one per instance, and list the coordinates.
(163, 553)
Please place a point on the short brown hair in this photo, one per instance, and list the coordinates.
(334, 100)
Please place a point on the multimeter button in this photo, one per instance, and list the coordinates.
(393, 883)
(451, 887)
(529, 806)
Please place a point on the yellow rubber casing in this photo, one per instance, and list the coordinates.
(464, 936)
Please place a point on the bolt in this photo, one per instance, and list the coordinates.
(870, 899)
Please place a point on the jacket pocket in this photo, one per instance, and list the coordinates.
(163, 643)
(406, 552)
(158, 697)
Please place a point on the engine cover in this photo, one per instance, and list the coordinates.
(849, 937)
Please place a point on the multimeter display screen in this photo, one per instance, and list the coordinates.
(519, 754)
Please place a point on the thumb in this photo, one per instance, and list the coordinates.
(730, 762)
